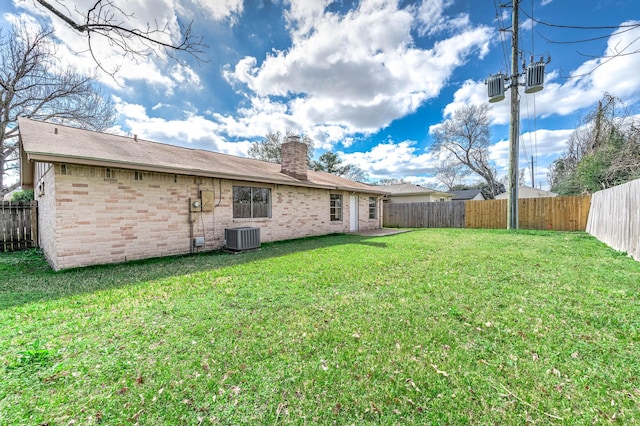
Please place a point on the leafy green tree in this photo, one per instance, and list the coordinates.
(329, 162)
(603, 152)
(26, 195)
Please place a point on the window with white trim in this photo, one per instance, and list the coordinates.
(373, 207)
(335, 207)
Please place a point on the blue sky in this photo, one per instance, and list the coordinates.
(368, 80)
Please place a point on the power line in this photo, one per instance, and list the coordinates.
(620, 29)
(534, 145)
(586, 40)
(501, 31)
(607, 59)
(579, 27)
(533, 50)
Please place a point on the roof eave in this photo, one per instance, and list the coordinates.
(52, 158)
(366, 190)
(26, 168)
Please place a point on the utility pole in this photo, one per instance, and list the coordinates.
(534, 82)
(514, 131)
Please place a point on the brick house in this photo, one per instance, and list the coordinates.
(105, 198)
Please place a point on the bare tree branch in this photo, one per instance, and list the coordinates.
(451, 173)
(105, 19)
(466, 138)
(31, 88)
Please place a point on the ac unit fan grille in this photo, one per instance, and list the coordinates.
(245, 238)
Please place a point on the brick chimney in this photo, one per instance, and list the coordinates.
(294, 158)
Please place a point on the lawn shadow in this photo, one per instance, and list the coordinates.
(25, 277)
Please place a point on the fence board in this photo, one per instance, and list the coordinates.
(548, 213)
(445, 214)
(486, 214)
(552, 213)
(615, 217)
(18, 225)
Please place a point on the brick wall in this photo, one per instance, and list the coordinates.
(294, 158)
(100, 219)
(44, 192)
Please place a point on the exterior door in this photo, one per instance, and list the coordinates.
(353, 213)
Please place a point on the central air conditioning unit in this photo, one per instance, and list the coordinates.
(245, 238)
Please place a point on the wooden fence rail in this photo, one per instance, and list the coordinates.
(18, 225)
(551, 213)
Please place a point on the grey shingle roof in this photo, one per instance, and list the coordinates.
(48, 142)
(465, 194)
(410, 189)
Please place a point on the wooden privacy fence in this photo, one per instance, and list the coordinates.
(615, 217)
(446, 214)
(548, 213)
(18, 225)
(551, 213)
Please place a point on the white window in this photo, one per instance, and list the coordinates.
(335, 208)
(373, 207)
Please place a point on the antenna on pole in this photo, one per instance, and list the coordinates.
(534, 73)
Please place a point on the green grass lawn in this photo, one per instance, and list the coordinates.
(426, 327)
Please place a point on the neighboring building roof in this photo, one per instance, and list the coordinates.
(467, 194)
(528, 192)
(54, 143)
(411, 189)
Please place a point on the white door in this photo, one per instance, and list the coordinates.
(353, 213)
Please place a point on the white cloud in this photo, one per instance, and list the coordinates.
(614, 73)
(193, 131)
(393, 159)
(547, 144)
(220, 9)
(359, 71)
(432, 20)
(72, 46)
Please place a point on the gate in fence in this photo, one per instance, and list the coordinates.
(18, 225)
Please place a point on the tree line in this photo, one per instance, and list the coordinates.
(604, 151)
(270, 149)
